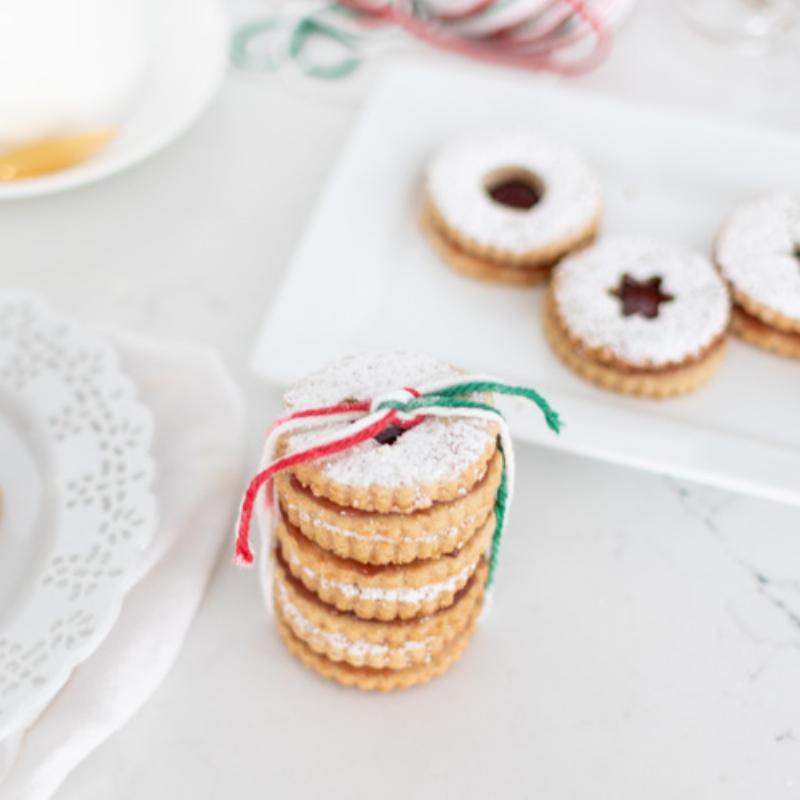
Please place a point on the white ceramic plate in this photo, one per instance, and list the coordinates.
(364, 277)
(75, 477)
(187, 56)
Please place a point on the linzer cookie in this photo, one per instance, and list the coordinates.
(638, 317)
(381, 680)
(391, 476)
(394, 470)
(384, 592)
(758, 253)
(506, 206)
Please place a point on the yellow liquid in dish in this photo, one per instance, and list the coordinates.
(51, 155)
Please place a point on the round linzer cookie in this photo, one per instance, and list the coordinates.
(399, 470)
(386, 489)
(398, 644)
(383, 592)
(379, 680)
(506, 206)
(638, 317)
(373, 538)
(758, 252)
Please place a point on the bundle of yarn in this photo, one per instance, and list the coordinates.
(568, 37)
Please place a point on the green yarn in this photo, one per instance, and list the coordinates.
(436, 401)
(246, 37)
(309, 27)
(242, 42)
(476, 387)
(457, 396)
(500, 507)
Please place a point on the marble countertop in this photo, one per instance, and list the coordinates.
(645, 634)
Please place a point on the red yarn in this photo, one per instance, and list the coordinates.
(514, 57)
(322, 411)
(538, 53)
(340, 408)
(244, 553)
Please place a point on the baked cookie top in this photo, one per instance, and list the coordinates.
(758, 252)
(641, 302)
(439, 459)
(513, 191)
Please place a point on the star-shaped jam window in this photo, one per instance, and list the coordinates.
(641, 297)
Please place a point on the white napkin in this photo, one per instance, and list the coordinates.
(199, 423)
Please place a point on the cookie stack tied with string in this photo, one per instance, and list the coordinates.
(389, 479)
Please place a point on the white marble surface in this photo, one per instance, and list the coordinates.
(645, 636)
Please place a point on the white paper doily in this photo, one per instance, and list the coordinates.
(75, 478)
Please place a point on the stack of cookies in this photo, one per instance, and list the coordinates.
(381, 552)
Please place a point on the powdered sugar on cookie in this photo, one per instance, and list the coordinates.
(400, 594)
(758, 251)
(684, 326)
(467, 523)
(435, 451)
(357, 650)
(439, 449)
(457, 185)
(365, 376)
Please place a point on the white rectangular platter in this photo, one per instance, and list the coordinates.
(365, 278)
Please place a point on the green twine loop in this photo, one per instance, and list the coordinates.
(244, 39)
(308, 28)
(457, 396)
(242, 46)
